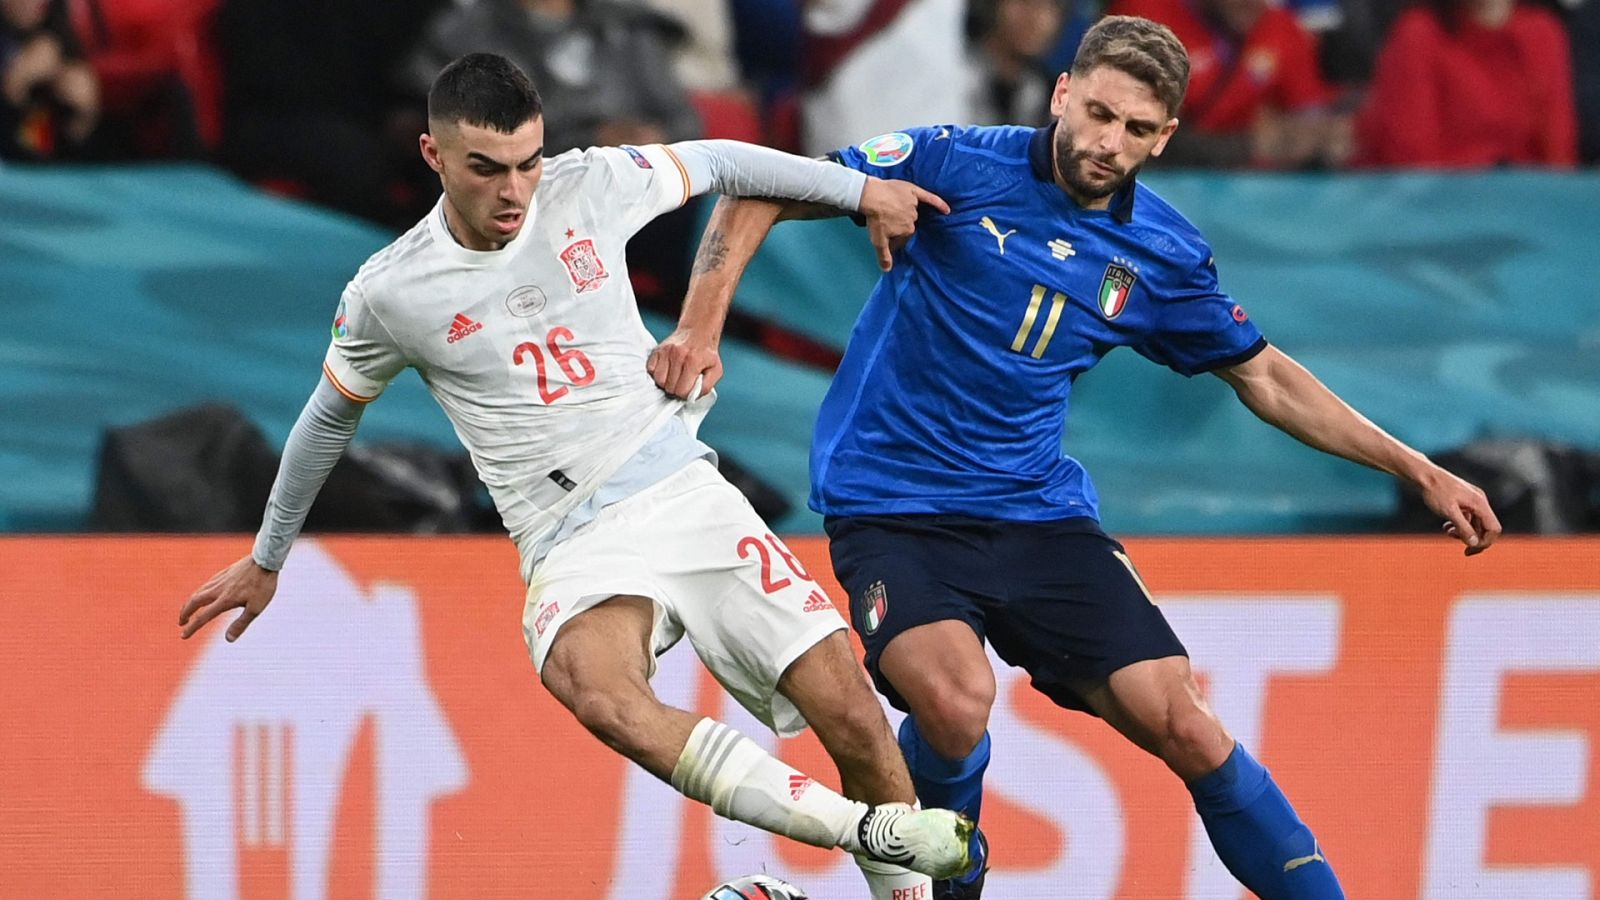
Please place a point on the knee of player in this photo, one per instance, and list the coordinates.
(1195, 741)
(609, 716)
(954, 720)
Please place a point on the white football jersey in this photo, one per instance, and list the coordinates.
(535, 351)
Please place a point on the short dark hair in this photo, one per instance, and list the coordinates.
(486, 90)
(1146, 50)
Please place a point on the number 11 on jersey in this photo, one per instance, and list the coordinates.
(1057, 303)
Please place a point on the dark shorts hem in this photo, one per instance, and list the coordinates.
(1058, 599)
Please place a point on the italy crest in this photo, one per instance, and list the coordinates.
(1114, 289)
(874, 606)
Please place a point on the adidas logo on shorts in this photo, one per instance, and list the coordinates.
(462, 327)
(798, 785)
(817, 602)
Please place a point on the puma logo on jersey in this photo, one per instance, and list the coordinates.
(989, 226)
(1297, 862)
(462, 327)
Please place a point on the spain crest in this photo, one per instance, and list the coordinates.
(584, 265)
(874, 606)
(1114, 289)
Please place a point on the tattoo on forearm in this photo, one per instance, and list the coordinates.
(712, 254)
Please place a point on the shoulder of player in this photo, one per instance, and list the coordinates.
(566, 165)
(1172, 240)
(975, 155)
(1004, 143)
(579, 165)
(378, 272)
(593, 169)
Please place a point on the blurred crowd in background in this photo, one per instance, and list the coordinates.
(323, 99)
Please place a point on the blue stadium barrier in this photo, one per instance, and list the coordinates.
(1446, 307)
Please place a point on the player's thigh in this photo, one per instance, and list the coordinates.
(917, 602)
(1077, 612)
(605, 649)
(746, 602)
(603, 560)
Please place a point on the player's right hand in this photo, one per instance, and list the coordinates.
(891, 209)
(684, 356)
(243, 584)
(1464, 507)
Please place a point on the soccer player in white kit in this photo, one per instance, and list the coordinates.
(512, 301)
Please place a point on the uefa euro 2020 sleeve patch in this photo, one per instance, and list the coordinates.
(341, 322)
(887, 150)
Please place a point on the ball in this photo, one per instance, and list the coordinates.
(755, 887)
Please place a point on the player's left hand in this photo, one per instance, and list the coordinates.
(244, 586)
(1465, 508)
(891, 209)
(684, 356)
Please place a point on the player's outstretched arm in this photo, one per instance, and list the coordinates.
(737, 169)
(1282, 393)
(319, 437)
(735, 231)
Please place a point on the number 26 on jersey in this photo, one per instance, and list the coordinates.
(573, 363)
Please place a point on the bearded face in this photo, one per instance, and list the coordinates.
(1108, 124)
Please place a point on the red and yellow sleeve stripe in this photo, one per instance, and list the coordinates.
(338, 386)
(683, 173)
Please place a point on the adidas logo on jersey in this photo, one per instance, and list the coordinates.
(462, 327)
(817, 603)
(798, 785)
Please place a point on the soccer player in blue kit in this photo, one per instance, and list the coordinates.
(953, 515)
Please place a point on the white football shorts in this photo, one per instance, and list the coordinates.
(693, 544)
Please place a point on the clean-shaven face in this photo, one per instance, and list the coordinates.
(488, 176)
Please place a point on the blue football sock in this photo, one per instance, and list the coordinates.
(1257, 834)
(944, 783)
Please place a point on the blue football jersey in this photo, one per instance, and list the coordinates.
(952, 395)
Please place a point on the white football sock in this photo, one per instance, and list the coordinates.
(738, 780)
(890, 882)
